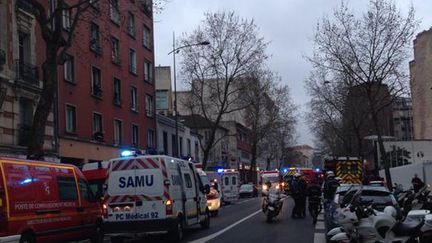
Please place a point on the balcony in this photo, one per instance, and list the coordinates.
(24, 133)
(27, 72)
(97, 91)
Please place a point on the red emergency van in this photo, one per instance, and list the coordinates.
(46, 202)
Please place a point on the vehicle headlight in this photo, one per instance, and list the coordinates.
(265, 187)
(277, 186)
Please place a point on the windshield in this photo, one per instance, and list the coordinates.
(205, 180)
(246, 187)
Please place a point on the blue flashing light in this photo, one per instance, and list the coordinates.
(220, 170)
(285, 170)
(26, 181)
(317, 170)
(127, 153)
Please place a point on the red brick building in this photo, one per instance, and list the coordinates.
(106, 88)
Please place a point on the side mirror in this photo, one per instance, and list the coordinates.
(105, 187)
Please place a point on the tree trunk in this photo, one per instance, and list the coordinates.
(252, 172)
(49, 69)
(382, 149)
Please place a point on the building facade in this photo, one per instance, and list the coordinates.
(20, 81)
(402, 118)
(188, 140)
(164, 101)
(420, 76)
(106, 86)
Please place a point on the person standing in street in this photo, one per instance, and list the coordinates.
(296, 195)
(330, 186)
(302, 184)
(417, 183)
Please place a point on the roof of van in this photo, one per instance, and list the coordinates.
(36, 162)
(145, 156)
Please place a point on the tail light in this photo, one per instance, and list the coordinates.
(169, 207)
(105, 210)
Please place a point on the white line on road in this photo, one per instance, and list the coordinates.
(320, 217)
(245, 201)
(214, 235)
(319, 238)
(320, 225)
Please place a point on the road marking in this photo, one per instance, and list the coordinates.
(320, 217)
(319, 238)
(245, 201)
(320, 225)
(214, 235)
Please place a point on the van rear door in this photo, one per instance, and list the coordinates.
(135, 194)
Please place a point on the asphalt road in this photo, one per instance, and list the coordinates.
(244, 222)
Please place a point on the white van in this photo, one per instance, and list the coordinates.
(228, 181)
(147, 194)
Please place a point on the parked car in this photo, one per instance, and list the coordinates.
(153, 194)
(379, 197)
(248, 190)
(46, 202)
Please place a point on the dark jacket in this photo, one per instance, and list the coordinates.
(330, 186)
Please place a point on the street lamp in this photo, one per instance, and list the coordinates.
(174, 51)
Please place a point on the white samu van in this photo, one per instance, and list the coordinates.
(153, 193)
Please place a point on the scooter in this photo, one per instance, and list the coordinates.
(272, 205)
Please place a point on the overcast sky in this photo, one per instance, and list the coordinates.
(287, 24)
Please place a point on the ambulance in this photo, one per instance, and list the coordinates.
(46, 202)
(228, 180)
(153, 194)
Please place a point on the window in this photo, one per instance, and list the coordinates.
(25, 119)
(117, 91)
(150, 138)
(97, 126)
(70, 119)
(94, 3)
(85, 191)
(234, 180)
(149, 105)
(131, 24)
(67, 188)
(196, 151)
(226, 181)
(146, 37)
(114, 11)
(94, 38)
(96, 82)
(134, 105)
(115, 50)
(24, 49)
(161, 99)
(68, 67)
(67, 18)
(165, 142)
(173, 145)
(181, 145)
(135, 135)
(132, 61)
(148, 71)
(118, 135)
(189, 152)
(188, 180)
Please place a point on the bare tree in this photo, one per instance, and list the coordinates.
(334, 124)
(270, 115)
(371, 50)
(218, 73)
(57, 42)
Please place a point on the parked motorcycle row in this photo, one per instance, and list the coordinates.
(409, 221)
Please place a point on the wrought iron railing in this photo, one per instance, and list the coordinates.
(27, 72)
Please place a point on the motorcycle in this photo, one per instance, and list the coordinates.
(361, 223)
(272, 204)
